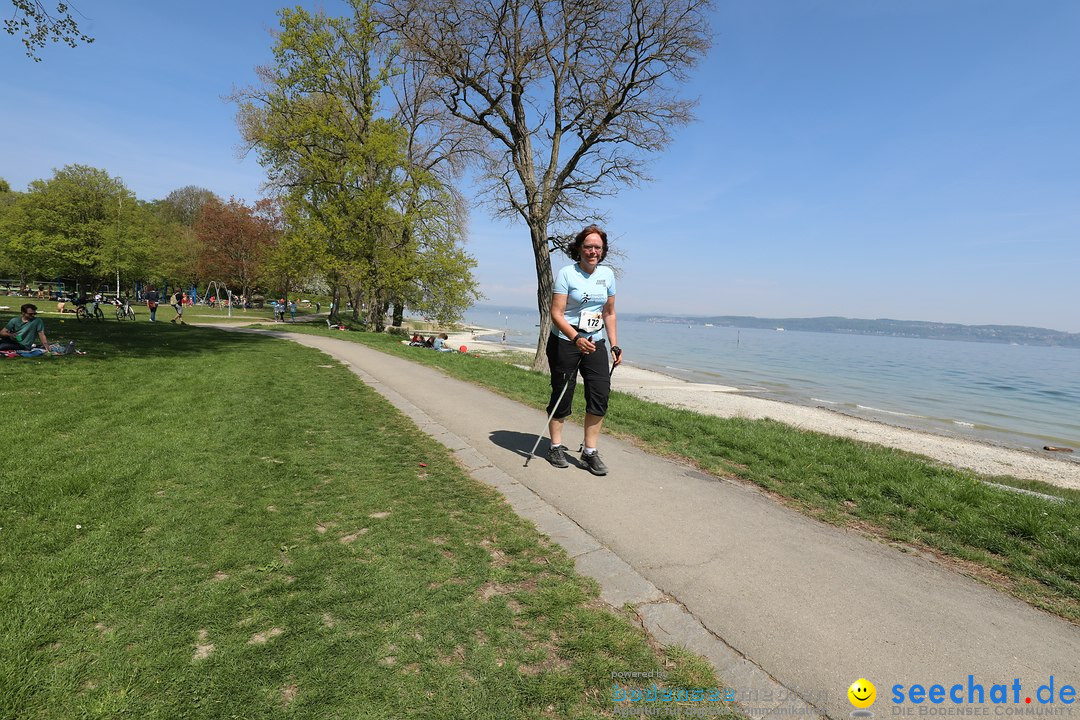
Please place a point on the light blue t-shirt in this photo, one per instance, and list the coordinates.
(585, 296)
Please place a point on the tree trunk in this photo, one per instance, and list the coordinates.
(354, 301)
(399, 314)
(545, 283)
(336, 301)
(379, 310)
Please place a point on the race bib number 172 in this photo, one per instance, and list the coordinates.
(591, 321)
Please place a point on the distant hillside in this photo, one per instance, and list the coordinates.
(894, 328)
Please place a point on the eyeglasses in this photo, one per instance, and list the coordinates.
(598, 248)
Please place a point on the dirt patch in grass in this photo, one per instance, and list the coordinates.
(379, 515)
(261, 638)
(203, 646)
(351, 538)
(457, 657)
(490, 589)
(498, 557)
(288, 694)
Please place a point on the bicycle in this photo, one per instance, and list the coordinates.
(124, 311)
(86, 309)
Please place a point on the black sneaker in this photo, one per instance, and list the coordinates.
(557, 456)
(594, 464)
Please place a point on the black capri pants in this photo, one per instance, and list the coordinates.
(563, 358)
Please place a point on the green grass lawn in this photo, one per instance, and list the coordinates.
(1025, 545)
(205, 524)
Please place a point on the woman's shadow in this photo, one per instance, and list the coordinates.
(521, 443)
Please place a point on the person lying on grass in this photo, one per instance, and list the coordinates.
(440, 343)
(19, 333)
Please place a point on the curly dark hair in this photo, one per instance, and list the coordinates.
(575, 247)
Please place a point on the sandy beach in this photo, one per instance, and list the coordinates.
(726, 401)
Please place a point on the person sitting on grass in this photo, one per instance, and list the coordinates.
(19, 333)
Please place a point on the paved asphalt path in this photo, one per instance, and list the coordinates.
(812, 606)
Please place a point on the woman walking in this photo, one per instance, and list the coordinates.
(583, 319)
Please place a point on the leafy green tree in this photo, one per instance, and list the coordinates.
(183, 205)
(343, 169)
(178, 248)
(8, 266)
(433, 212)
(291, 263)
(38, 26)
(144, 248)
(81, 224)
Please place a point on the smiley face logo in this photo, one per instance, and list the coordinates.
(862, 693)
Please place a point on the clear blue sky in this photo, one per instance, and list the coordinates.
(911, 159)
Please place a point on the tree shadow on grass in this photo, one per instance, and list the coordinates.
(104, 340)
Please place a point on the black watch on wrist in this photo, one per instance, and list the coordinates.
(575, 339)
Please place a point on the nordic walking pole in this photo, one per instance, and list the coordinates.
(617, 352)
(532, 453)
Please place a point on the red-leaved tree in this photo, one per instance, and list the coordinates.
(233, 241)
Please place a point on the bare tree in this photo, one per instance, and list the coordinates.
(571, 97)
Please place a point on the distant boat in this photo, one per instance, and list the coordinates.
(708, 324)
(779, 329)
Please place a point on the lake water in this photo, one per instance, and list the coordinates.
(1012, 395)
